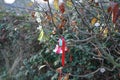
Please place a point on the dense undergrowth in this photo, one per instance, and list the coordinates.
(93, 53)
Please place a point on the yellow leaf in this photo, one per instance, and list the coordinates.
(56, 4)
(55, 17)
(30, 4)
(98, 16)
(116, 30)
(42, 37)
(93, 21)
(69, 3)
(105, 32)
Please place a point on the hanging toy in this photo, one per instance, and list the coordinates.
(61, 48)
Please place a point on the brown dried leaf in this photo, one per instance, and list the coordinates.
(71, 58)
(62, 8)
(109, 9)
(66, 77)
(115, 12)
(33, 14)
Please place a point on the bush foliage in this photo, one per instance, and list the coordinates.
(91, 30)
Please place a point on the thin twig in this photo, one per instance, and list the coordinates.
(79, 14)
(52, 18)
(81, 41)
